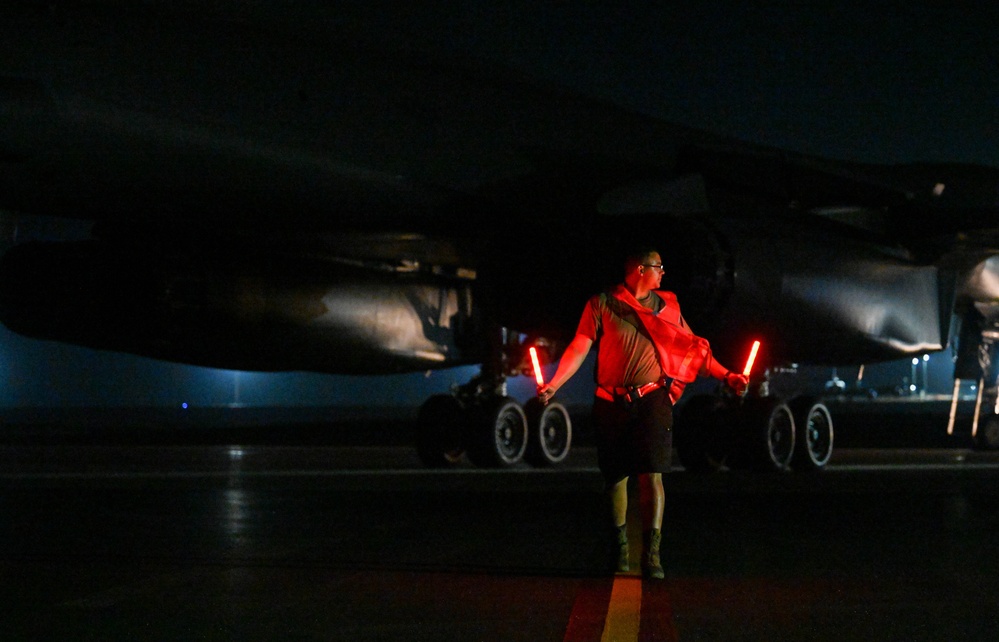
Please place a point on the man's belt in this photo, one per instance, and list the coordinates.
(632, 394)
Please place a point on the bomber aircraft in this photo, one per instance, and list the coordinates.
(267, 198)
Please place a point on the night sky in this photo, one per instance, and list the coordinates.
(889, 82)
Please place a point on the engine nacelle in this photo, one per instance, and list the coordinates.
(812, 294)
(241, 311)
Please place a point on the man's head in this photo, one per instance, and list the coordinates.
(644, 267)
(640, 256)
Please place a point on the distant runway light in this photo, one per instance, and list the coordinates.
(184, 405)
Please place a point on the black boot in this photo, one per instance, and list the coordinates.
(621, 548)
(651, 565)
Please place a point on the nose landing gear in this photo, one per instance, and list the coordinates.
(761, 433)
(493, 429)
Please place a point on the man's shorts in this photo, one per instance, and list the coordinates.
(633, 438)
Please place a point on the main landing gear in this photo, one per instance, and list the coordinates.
(758, 433)
(494, 430)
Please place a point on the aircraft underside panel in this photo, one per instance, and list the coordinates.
(860, 299)
(815, 297)
(239, 312)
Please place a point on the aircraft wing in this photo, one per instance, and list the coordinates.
(349, 208)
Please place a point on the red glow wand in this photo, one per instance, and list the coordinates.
(537, 367)
(751, 359)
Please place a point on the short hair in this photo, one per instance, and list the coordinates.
(638, 257)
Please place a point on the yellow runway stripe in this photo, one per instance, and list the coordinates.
(624, 613)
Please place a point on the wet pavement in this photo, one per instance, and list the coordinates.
(305, 542)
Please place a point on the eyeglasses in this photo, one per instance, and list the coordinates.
(654, 267)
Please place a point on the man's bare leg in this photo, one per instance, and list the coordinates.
(619, 514)
(619, 502)
(653, 500)
(653, 506)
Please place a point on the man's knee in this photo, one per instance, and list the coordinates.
(652, 482)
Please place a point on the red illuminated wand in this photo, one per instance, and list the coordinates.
(537, 371)
(537, 367)
(751, 359)
(749, 363)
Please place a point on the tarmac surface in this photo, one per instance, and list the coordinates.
(110, 540)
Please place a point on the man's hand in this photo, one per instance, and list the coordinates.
(737, 382)
(545, 393)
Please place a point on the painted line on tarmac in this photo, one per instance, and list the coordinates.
(624, 612)
(624, 608)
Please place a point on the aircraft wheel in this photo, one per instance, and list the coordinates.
(813, 444)
(499, 437)
(987, 437)
(769, 425)
(438, 432)
(700, 445)
(550, 435)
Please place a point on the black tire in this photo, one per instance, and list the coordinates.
(438, 432)
(768, 429)
(813, 445)
(701, 444)
(987, 437)
(550, 433)
(498, 437)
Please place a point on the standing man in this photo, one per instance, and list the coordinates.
(646, 354)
